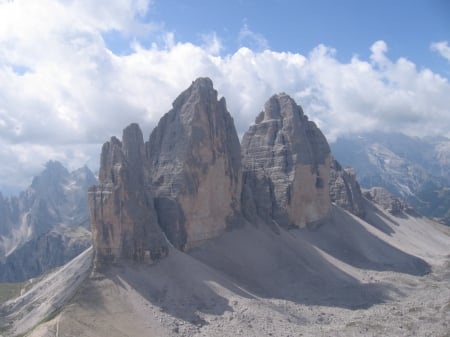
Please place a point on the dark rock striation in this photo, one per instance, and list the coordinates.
(344, 189)
(286, 164)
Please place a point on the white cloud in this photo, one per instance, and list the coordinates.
(251, 39)
(212, 43)
(442, 48)
(63, 93)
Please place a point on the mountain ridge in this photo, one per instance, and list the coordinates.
(414, 169)
(46, 225)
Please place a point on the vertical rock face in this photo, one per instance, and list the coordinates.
(286, 161)
(123, 218)
(195, 167)
(344, 189)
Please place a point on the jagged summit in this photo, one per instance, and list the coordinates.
(202, 87)
(195, 166)
(184, 182)
(280, 106)
(287, 159)
(188, 177)
(123, 218)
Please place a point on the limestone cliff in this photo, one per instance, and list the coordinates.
(286, 165)
(123, 218)
(344, 189)
(194, 166)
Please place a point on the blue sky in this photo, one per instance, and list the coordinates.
(74, 73)
(349, 26)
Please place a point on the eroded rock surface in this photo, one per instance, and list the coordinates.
(286, 164)
(195, 167)
(123, 218)
(345, 190)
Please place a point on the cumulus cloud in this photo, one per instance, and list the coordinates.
(63, 92)
(442, 48)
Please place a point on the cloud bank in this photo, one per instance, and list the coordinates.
(63, 92)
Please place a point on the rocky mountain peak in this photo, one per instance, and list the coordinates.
(288, 157)
(195, 166)
(123, 218)
(45, 226)
(188, 177)
(110, 157)
(52, 176)
(201, 89)
(280, 106)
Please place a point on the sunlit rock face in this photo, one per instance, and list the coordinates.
(286, 166)
(184, 183)
(194, 166)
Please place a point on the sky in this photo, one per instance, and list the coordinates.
(75, 73)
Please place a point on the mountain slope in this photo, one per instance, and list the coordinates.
(254, 282)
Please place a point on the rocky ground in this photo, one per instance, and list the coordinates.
(387, 278)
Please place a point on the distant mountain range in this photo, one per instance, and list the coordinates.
(46, 225)
(416, 169)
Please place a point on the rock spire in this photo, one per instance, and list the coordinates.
(286, 159)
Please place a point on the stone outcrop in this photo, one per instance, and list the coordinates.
(123, 218)
(388, 202)
(345, 191)
(194, 166)
(286, 166)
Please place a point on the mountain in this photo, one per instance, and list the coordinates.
(188, 183)
(286, 162)
(415, 169)
(340, 279)
(46, 225)
(196, 235)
